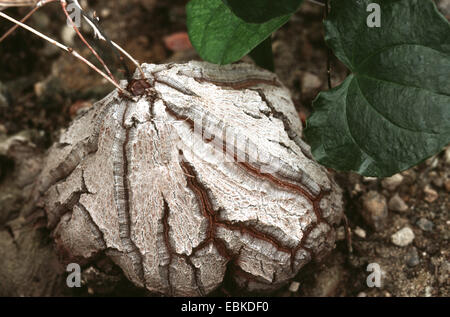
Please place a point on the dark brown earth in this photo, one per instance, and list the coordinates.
(42, 89)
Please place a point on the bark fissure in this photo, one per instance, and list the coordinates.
(68, 205)
(98, 232)
(122, 195)
(170, 251)
(239, 84)
(82, 150)
(214, 220)
(220, 144)
(286, 124)
(169, 82)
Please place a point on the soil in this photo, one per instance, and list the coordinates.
(42, 90)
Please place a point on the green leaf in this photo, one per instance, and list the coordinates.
(259, 11)
(221, 37)
(262, 55)
(394, 110)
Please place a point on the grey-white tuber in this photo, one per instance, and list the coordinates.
(201, 176)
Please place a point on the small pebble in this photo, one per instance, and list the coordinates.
(105, 13)
(68, 35)
(340, 233)
(412, 257)
(430, 194)
(391, 183)
(360, 232)
(410, 176)
(403, 237)
(436, 179)
(39, 88)
(177, 42)
(447, 155)
(447, 185)
(368, 179)
(357, 188)
(375, 209)
(294, 287)
(310, 82)
(425, 224)
(396, 203)
(428, 291)
(3, 100)
(362, 294)
(432, 162)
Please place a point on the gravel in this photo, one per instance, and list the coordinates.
(425, 224)
(430, 194)
(294, 287)
(374, 210)
(391, 183)
(412, 257)
(403, 237)
(360, 232)
(396, 203)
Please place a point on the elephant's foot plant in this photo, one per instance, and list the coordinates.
(192, 173)
(200, 176)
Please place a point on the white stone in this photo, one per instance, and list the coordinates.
(294, 287)
(403, 237)
(360, 232)
(391, 183)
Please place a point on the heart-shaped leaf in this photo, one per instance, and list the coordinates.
(394, 110)
(260, 11)
(221, 37)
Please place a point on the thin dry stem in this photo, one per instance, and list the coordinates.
(64, 8)
(38, 5)
(65, 48)
(25, 18)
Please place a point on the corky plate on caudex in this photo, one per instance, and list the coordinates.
(201, 177)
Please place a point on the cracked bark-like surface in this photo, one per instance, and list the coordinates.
(203, 174)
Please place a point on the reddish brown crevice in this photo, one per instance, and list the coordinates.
(138, 262)
(170, 251)
(175, 85)
(301, 245)
(242, 228)
(284, 119)
(196, 272)
(241, 84)
(247, 166)
(206, 208)
(277, 114)
(214, 220)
